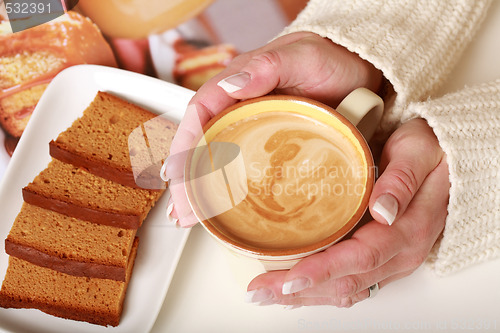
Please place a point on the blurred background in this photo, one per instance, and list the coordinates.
(185, 42)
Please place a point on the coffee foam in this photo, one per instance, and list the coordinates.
(305, 181)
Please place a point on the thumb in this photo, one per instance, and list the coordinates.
(263, 73)
(332, 71)
(409, 155)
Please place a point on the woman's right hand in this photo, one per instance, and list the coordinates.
(301, 64)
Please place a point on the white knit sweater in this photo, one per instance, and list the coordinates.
(416, 44)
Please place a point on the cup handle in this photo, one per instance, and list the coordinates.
(363, 109)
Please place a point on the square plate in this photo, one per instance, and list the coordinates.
(161, 244)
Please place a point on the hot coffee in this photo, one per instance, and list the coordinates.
(305, 180)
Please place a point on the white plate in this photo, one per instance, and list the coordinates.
(161, 243)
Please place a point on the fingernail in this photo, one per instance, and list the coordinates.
(387, 206)
(291, 307)
(295, 285)
(163, 170)
(170, 219)
(234, 82)
(258, 295)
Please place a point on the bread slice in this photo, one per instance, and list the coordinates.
(70, 190)
(97, 301)
(70, 245)
(99, 140)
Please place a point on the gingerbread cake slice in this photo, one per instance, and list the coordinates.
(97, 301)
(70, 245)
(73, 191)
(99, 140)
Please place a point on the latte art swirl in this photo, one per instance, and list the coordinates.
(305, 180)
(283, 147)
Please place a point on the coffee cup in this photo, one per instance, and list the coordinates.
(278, 178)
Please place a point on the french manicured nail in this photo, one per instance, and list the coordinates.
(295, 286)
(177, 225)
(163, 170)
(258, 295)
(171, 219)
(387, 206)
(291, 307)
(234, 82)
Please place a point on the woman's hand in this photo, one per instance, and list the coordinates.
(411, 194)
(300, 64)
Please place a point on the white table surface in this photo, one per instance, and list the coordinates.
(206, 296)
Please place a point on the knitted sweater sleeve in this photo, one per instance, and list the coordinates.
(467, 125)
(416, 44)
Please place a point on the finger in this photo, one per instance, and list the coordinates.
(409, 155)
(298, 300)
(190, 129)
(179, 206)
(209, 100)
(427, 212)
(421, 224)
(370, 247)
(266, 288)
(348, 286)
(276, 69)
(213, 98)
(323, 297)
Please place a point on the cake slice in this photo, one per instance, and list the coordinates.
(99, 140)
(73, 191)
(30, 59)
(70, 245)
(194, 66)
(97, 301)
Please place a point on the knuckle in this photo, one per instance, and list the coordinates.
(269, 58)
(405, 179)
(424, 231)
(347, 286)
(368, 259)
(312, 46)
(241, 59)
(346, 302)
(415, 261)
(421, 233)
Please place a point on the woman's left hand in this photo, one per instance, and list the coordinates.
(409, 204)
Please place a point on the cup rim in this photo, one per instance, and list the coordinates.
(276, 254)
